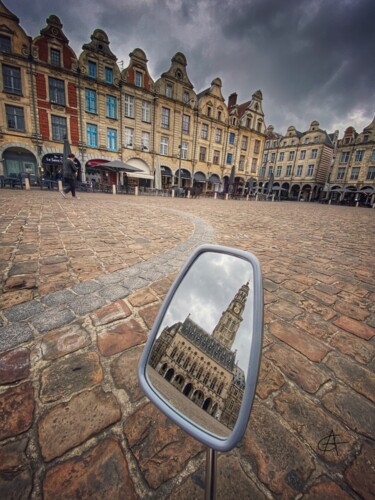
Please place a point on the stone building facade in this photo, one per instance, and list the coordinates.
(296, 165)
(203, 366)
(352, 178)
(106, 113)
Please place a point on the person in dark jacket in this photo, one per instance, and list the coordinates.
(70, 171)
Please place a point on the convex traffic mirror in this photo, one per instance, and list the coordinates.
(201, 361)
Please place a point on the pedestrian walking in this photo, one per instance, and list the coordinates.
(70, 174)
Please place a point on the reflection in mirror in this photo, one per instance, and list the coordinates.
(199, 361)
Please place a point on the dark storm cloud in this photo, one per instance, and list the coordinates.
(312, 59)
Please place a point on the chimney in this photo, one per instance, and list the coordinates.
(232, 101)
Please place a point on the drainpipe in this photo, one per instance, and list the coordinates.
(33, 100)
(121, 132)
(80, 142)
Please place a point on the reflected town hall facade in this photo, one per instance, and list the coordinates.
(203, 366)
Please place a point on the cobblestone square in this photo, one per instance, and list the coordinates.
(81, 283)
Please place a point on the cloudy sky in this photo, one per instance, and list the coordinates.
(312, 59)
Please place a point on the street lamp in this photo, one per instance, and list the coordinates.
(190, 103)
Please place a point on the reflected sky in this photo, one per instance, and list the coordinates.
(206, 291)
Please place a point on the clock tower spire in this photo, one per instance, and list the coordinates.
(227, 327)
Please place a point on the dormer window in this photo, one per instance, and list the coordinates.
(138, 79)
(234, 121)
(5, 44)
(186, 97)
(109, 75)
(219, 116)
(178, 75)
(209, 111)
(55, 58)
(248, 123)
(92, 69)
(307, 140)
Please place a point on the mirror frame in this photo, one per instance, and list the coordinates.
(204, 436)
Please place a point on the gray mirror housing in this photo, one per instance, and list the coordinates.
(239, 355)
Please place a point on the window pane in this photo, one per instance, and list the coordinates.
(92, 135)
(12, 79)
(55, 57)
(15, 118)
(59, 130)
(57, 91)
(111, 106)
(165, 117)
(129, 106)
(146, 111)
(109, 75)
(5, 44)
(90, 101)
(112, 139)
(92, 69)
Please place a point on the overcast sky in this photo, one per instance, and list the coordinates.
(312, 59)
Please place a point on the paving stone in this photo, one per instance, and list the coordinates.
(356, 377)
(114, 292)
(59, 298)
(353, 346)
(161, 287)
(325, 488)
(317, 326)
(102, 472)
(14, 365)
(56, 259)
(20, 282)
(28, 267)
(64, 340)
(361, 473)
(134, 283)
(69, 375)
(87, 304)
(161, 448)
(299, 340)
(61, 267)
(16, 410)
(121, 337)
(285, 310)
(353, 409)
(149, 313)
(16, 486)
(315, 425)
(353, 326)
(13, 456)
(124, 373)
(67, 425)
(270, 379)
(110, 313)
(52, 318)
(14, 335)
(303, 372)
(348, 309)
(279, 459)
(24, 311)
(87, 287)
(142, 297)
(322, 297)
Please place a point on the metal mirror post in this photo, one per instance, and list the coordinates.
(200, 364)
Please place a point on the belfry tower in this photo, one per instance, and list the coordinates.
(227, 327)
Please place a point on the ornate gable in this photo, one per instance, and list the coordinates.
(54, 29)
(100, 45)
(177, 71)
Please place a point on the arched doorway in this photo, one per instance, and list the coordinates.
(207, 404)
(179, 382)
(187, 389)
(169, 374)
(166, 177)
(141, 179)
(18, 162)
(198, 398)
(185, 177)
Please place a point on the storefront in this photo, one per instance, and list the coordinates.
(185, 178)
(20, 162)
(166, 177)
(98, 175)
(214, 183)
(52, 166)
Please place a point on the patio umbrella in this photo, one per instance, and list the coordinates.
(231, 180)
(66, 149)
(157, 179)
(270, 184)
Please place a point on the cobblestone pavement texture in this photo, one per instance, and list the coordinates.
(82, 281)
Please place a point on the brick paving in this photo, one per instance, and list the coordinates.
(82, 282)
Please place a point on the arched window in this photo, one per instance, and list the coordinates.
(213, 383)
(187, 361)
(199, 373)
(192, 368)
(220, 389)
(180, 357)
(174, 352)
(206, 377)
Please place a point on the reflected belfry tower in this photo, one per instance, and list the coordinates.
(227, 327)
